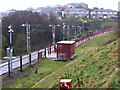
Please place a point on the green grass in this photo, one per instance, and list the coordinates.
(45, 68)
(98, 59)
(96, 42)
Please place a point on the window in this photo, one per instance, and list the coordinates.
(110, 12)
(115, 12)
(99, 12)
(92, 12)
(104, 12)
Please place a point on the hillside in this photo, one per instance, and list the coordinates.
(97, 66)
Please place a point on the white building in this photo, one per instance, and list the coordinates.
(103, 13)
(78, 5)
(75, 12)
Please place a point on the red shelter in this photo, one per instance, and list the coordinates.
(65, 84)
(65, 50)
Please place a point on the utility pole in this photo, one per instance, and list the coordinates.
(63, 31)
(28, 36)
(79, 30)
(75, 32)
(53, 31)
(83, 26)
(68, 32)
(11, 50)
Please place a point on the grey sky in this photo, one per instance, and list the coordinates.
(24, 4)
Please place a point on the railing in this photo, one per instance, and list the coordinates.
(25, 61)
(78, 43)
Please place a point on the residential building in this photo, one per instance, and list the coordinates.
(48, 11)
(11, 11)
(103, 13)
(75, 12)
(78, 5)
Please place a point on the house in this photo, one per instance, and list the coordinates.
(103, 13)
(75, 12)
(0, 16)
(78, 5)
(48, 10)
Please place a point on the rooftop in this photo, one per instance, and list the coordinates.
(66, 42)
(104, 10)
(65, 80)
(75, 10)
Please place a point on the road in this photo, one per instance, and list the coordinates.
(34, 56)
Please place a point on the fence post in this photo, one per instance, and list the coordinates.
(20, 63)
(30, 58)
(8, 67)
(38, 56)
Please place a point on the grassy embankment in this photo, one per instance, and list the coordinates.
(97, 67)
(90, 55)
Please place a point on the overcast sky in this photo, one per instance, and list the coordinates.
(24, 4)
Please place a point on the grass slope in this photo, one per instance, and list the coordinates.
(100, 66)
(64, 69)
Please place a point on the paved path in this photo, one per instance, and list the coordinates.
(34, 56)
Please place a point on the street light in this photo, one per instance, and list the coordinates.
(28, 36)
(11, 50)
(53, 31)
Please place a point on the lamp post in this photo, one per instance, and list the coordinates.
(53, 31)
(28, 36)
(11, 50)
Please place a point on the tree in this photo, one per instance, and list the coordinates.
(35, 20)
(20, 44)
(4, 45)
